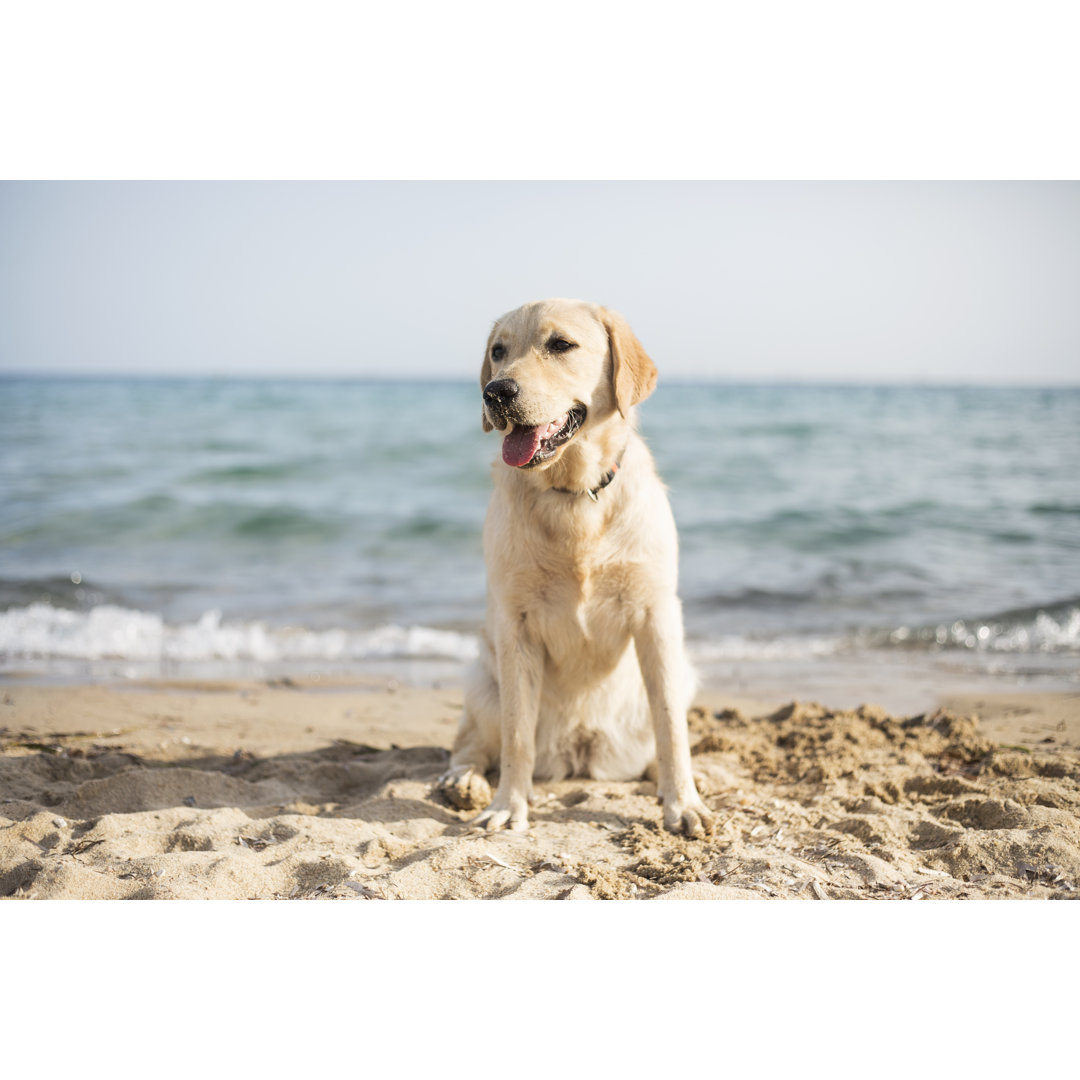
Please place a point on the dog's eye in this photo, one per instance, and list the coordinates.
(498, 352)
(560, 345)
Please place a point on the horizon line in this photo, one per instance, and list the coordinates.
(381, 377)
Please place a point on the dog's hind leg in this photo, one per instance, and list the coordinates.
(464, 785)
(476, 745)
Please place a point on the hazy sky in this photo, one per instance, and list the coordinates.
(939, 282)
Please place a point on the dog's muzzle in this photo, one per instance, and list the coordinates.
(500, 395)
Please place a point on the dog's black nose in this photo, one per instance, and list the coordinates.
(501, 391)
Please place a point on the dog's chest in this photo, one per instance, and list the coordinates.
(571, 575)
(579, 612)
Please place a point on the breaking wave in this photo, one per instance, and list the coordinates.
(1055, 629)
(108, 632)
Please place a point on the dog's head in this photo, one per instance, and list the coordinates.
(555, 368)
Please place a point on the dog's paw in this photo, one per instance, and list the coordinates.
(505, 812)
(689, 816)
(464, 788)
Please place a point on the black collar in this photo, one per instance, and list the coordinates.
(593, 492)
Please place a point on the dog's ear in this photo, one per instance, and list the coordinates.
(632, 372)
(485, 378)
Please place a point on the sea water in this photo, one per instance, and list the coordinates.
(174, 526)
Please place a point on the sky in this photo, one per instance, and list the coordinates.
(935, 282)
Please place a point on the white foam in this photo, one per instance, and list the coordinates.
(732, 647)
(1043, 634)
(108, 632)
(41, 631)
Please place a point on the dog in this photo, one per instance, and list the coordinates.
(583, 669)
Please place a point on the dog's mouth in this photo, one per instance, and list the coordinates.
(524, 446)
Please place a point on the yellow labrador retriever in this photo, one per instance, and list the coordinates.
(583, 670)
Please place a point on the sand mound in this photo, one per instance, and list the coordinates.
(810, 803)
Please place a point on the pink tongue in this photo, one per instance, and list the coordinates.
(520, 445)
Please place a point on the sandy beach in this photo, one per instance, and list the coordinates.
(294, 789)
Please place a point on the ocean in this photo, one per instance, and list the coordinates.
(175, 527)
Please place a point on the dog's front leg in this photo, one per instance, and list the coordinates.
(520, 659)
(669, 685)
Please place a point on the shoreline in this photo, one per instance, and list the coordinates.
(902, 684)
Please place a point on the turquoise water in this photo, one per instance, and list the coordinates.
(172, 522)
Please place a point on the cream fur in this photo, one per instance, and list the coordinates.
(583, 670)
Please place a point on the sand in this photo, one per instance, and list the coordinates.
(300, 790)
